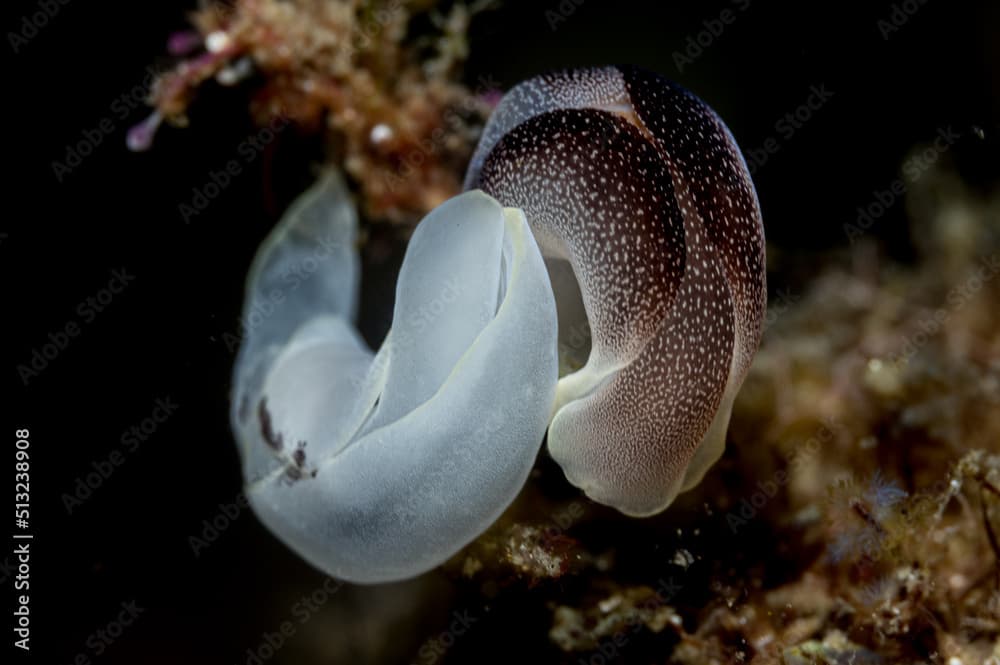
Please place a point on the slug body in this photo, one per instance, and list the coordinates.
(639, 187)
(617, 226)
(378, 467)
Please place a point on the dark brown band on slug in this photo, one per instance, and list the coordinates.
(596, 192)
(640, 186)
(708, 164)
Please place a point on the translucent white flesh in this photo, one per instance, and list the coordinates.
(408, 454)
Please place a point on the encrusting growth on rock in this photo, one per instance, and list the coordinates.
(387, 104)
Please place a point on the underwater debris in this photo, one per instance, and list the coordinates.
(387, 104)
(614, 619)
(533, 553)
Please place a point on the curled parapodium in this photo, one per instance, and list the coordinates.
(376, 467)
(636, 188)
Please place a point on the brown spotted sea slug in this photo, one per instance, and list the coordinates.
(634, 187)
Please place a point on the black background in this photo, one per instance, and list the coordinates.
(163, 336)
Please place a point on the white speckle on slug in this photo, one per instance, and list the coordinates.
(641, 188)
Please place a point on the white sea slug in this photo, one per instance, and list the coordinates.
(377, 467)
